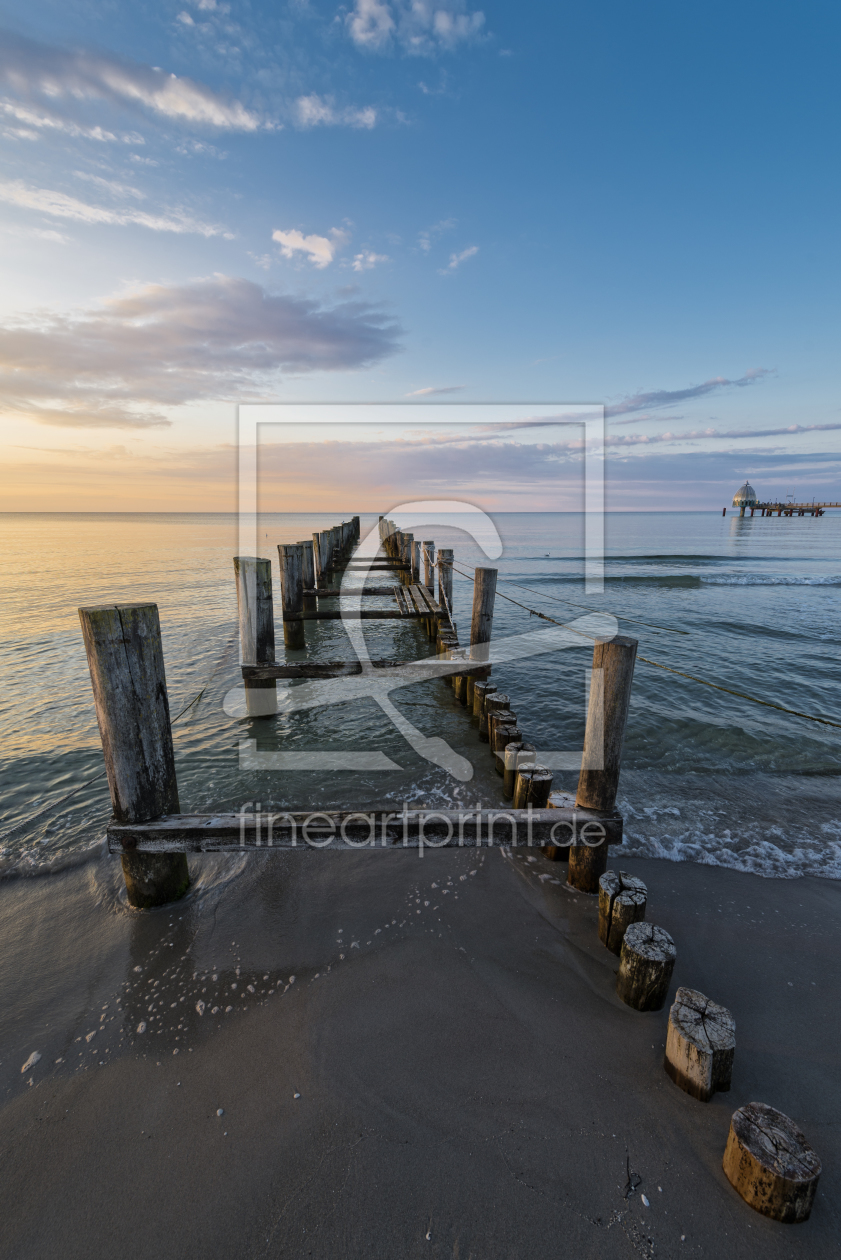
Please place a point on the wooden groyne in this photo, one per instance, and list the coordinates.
(127, 669)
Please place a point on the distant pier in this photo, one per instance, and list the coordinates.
(746, 499)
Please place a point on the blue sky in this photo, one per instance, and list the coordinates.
(631, 205)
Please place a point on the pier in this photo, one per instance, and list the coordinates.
(745, 499)
(152, 836)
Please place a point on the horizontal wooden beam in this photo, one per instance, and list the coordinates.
(332, 592)
(410, 671)
(407, 828)
(352, 614)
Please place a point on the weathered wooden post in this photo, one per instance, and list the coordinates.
(291, 556)
(416, 562)
(320, 579)
(429, 566)
(607, 716)
(481, 623)
(125, 658)
(256, 629)
(406, 556)
(325, 550)
(308, 574)
(769, 1161)
(445, 581)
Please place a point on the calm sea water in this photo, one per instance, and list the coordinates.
(752, 605)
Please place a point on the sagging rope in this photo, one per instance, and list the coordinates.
(743, 695)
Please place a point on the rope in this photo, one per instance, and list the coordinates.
(743, 695)
(439, 566)
(572, 604)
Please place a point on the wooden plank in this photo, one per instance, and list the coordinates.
(332, 592)
(214, 833)
(408, 672)
(401, 601)
(354, 614)
(419, 605)
(427, 597)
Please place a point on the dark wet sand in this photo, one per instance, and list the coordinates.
(470, 1086)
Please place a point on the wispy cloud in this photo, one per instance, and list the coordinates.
(671, 397)
(434, 389)
(457, 259)
(59, 205)
(320, 250)
(61, 79)
(415, 26)
(428, 237)
(221, 338)
(319, 111)
(368, 260)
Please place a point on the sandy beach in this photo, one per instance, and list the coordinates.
(449, 1074)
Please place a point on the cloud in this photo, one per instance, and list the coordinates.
(457, 259)
(62, 78)
(318, 111)
(220, 338)
(417, 26)
(320, 250)
(669, 397)
(59, 205)
(432, 389)
(368, 259)
(428, 236)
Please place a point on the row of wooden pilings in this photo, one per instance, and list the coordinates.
(525, 782)
(123, 645)
(306, 569)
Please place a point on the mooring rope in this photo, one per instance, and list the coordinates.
(705, 682)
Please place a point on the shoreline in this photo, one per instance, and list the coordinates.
(460, 1075)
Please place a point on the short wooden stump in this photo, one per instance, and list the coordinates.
(700, 1045)
(768, 1160)
(646, 964)
(622, 901)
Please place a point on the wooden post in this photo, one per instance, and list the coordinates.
(256, 629)
(319, 579)
(493, 703)
(445, 580)
(607, 715)
(308, 572)
(416, 562)
(700, 1045)
(125, 658)
(429, 566)
(292, 593)
(407, 556)
(646, 963)
(622, 901)
(770, 1163)
(480, 693)
(481, 623)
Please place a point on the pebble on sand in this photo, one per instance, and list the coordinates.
(221, 1111)
(34, 1058)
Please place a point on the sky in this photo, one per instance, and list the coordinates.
(204, 204)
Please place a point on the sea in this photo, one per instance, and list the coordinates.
(749, 607)
(728, 613)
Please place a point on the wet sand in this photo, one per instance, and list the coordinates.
(469, 1084)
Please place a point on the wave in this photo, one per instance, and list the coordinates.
(759, 579)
